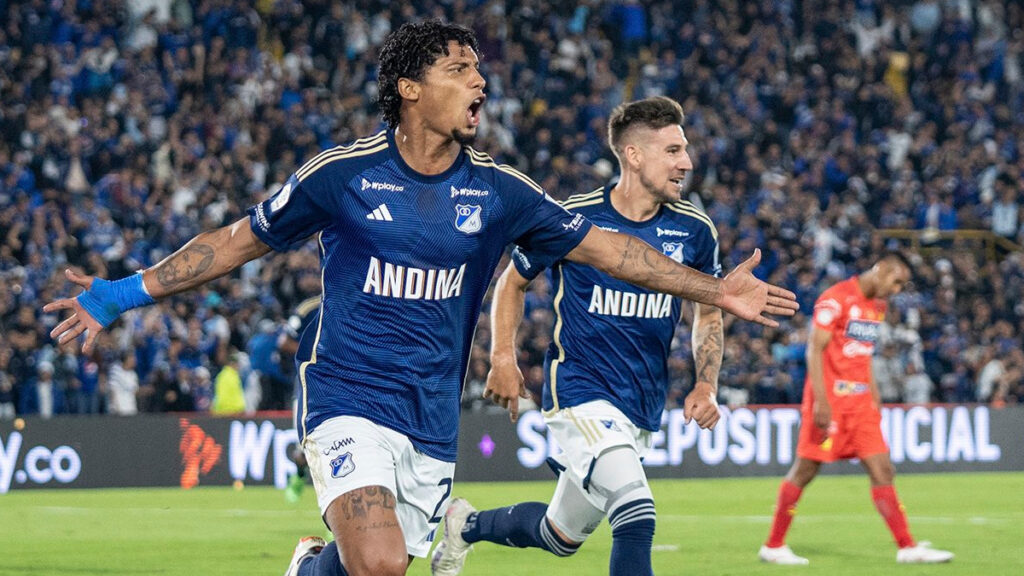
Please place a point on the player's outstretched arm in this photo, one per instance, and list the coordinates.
(505, 383)
(708, 337)
(208, 256)
(633, 260)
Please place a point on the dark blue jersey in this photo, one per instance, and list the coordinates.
(405, 262)
(611, 339)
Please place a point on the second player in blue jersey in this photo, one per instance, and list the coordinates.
(606, 370)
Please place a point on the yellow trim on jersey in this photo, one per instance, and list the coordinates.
(599, 193)
(684, 207)
(361, 143)
(570, 206)
(316, 341)
(307, 305)
(557, 339)
(375, 144)
(481, 159)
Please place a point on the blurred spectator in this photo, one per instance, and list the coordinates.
(41, 396)
(917, 385)
(126, 130)
(228, 394)
(122, 386)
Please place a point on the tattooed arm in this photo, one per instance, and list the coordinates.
(208, 256)
(633, 260)
(707, 338)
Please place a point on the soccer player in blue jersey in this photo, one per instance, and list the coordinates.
(411, 224)
(606, 371)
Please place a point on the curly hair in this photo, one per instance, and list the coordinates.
(408, 52)
(654, 113)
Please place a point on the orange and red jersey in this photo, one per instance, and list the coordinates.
(854, 321)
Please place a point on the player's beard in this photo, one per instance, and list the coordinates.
(463, 138)
(658, 192)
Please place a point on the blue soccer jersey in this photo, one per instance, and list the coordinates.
(405, 262)
(611, 339)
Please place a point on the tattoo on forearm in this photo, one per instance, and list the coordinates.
(186, 265)
(642, 256)
(641, 264)
(359, 503)
(708, 355)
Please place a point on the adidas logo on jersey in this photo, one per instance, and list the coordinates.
(396, 281)
(380, 213)
(608, 302)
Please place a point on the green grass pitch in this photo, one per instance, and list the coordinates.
(705, 527)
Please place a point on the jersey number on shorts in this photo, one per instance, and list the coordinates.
(447, 483)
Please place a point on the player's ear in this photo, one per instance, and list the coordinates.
(633, 155)
(408, 89)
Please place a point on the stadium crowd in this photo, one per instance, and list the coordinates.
(128, 127)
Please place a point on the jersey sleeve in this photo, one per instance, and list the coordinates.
(827, 312)
(529, 264)
(543, 231)
(298, 210)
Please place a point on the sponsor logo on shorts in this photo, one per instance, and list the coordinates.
(611, 425)
(338, 445)
(342, 465)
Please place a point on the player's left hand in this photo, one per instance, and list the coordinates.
(506, 385)
(80, 321)
(751, 299)
(702, 406)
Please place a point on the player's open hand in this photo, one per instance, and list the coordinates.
(702, 406)
(750, 298)
(506, 385)
(79, 321)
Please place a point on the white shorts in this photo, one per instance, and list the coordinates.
(584, 433)
(347, 453)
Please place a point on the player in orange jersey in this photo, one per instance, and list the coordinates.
(841, 413)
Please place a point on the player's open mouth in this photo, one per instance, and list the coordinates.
(678, 181)
(473, 113)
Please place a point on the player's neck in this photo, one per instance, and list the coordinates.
(866, 283)
(632, 201)
(424, 151)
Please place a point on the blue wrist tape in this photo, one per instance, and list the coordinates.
(106, 300)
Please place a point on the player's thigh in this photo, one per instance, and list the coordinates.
(871, 448)
(353, 466)
(571, 511)
(424, 491)
(368, 533)
(600, 459)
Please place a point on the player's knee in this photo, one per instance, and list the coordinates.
(556, 542)
(384, 564)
